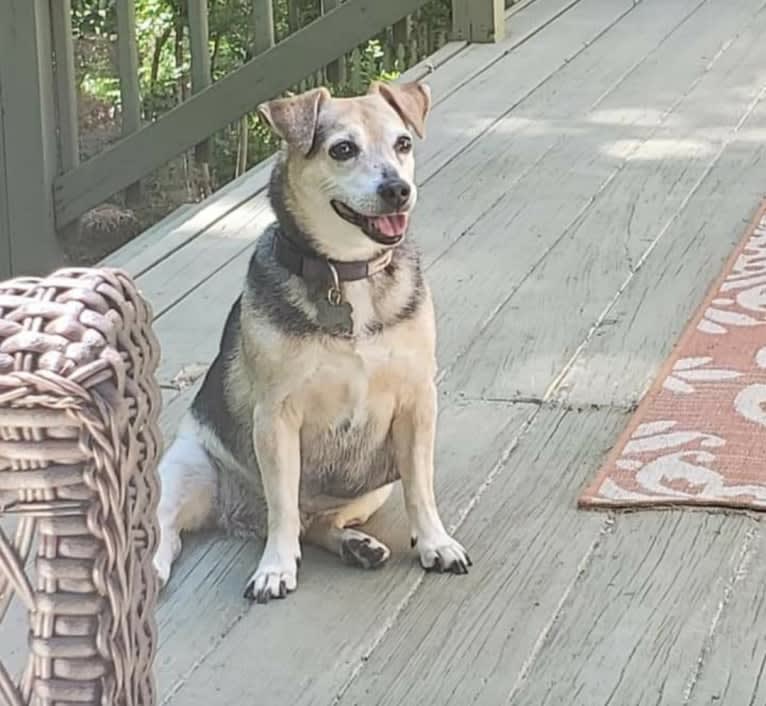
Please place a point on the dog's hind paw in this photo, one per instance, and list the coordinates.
(360, 549)
(444, 554)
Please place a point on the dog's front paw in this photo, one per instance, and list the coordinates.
(167, 551)
(275, 577)
(442, 553)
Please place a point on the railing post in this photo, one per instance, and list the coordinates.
(478, 20)
(28, 141)
(262, 25)
(336, 71)
(65, 85)
(199, 34)
(130, 95)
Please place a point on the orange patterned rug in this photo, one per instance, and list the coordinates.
(699, 435)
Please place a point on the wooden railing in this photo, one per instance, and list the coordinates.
(45, 189)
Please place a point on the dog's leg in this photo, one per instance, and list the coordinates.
(334, 531)
(276, 437)
(187, 497)
(414, 434)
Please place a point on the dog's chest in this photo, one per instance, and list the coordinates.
(348, 405)
(352, 388)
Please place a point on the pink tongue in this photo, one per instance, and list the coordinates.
(392, 225)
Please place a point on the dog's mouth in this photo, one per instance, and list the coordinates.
(386, 229)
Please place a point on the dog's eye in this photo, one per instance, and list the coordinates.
(344, 150)
(403, 144)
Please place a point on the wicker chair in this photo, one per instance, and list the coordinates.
(79, 442)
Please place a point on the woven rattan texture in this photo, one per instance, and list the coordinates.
(79, 442)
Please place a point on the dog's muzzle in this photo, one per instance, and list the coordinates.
(386, 229)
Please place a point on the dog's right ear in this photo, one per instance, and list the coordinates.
(294, 119)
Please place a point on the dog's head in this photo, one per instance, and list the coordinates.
(349, 173)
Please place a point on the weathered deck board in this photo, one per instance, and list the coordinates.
(512, 149)
(623, 353)
(732, 663)
(648, 177)
(523, 215)
(632, 627)
(466, 642)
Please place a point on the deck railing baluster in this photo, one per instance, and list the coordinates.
(336, 71)
(65, 84)
(130, 93)
(199, 35)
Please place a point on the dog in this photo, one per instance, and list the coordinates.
(323, 392)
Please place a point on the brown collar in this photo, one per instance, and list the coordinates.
(317, 268)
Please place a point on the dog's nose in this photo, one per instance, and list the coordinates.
(395, 193)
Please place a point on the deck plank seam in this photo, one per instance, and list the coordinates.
(554, 403)
(737, 575)
(212, 647)
(607, 527)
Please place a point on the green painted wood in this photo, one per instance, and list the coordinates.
(401, 31)
(293, 18)
(224, 102)
(65, 84)
(26, 75)
(5, 232)
(199, 33)
(478, 20)
(263, 25)
(130, 96)
(65, 88)
(336, 71)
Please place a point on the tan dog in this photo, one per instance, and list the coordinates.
(322, 394)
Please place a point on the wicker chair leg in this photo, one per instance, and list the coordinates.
(79, 443)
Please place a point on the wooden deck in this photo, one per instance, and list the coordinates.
(582, 183)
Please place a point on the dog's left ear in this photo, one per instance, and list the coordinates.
(411, 100)
(294, 119)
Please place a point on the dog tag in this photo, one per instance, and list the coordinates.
(335, 318)
(333, 313)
